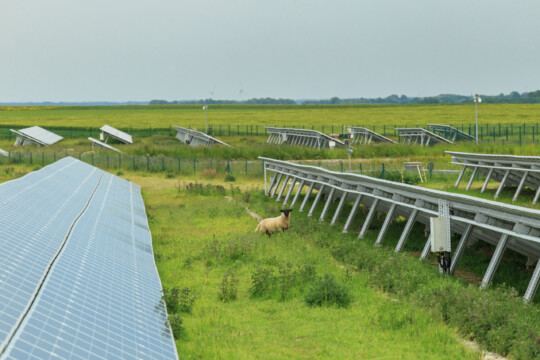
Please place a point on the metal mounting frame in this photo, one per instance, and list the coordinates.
(300, 137)
(413, 136)
(362, 135)
(451, 133)
(474, 218)
(196, 138)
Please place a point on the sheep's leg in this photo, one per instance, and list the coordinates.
(268, 233)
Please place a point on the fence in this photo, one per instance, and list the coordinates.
(502, 132)
(207, 166)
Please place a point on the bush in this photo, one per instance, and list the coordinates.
(175, 321)
(169, 176)
(186, 300)
(230, 178)
(119, 173)
(228, 289)
(171, 296)
(327, 291)
(262, 281)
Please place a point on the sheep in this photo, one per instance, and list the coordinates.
(272, 225)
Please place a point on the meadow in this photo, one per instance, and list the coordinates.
(234, 294)
(330, 116)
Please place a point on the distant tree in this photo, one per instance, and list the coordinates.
(334, 100)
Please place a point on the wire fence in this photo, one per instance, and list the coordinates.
(522, 133)
(210, 167)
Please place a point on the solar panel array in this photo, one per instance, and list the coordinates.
(101, 144)
(35, 135)
(362, 135)
(449, 132)
(515, 170)
(420, 136)
(78, 278)
(196, 138)
(502, 225)
(117, 134)
(301, 137)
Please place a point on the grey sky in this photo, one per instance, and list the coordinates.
(119, 50)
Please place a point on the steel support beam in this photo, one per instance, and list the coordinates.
(352, 213)
(316, 201)
(427, 248)
(386, 224)
(472, 178)
(339, 207)
(502, 183)
(461, 248)
(300, 187)
(520, 186)
(306, 198)
(369, 217)
(533, 284)
(290, 191)
(460, 176)
(283, 187)
(406, 231)
(495, 260)
(276, 185)
(487, 180)
(327, 204)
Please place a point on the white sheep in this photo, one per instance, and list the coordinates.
(272, 225)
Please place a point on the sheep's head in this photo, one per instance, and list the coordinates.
(286, 212)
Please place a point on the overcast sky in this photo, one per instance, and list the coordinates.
(120, 50)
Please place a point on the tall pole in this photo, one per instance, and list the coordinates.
(205, 108)
(476, 119)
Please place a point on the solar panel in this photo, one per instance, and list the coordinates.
(420, 136)
(450, 132)
(101, 144)
(362, 135)
(78, 278)
(507, 169)
(301, 137)
(117, 134)
(35, 135)
(4, 153)
(196, 138)
(502, 225)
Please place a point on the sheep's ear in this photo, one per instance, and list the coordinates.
(290, 210)
(282, 211)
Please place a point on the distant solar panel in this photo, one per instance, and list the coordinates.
(420, 136)
(196, 138)
(117, 134)
(78, 278)
(4, 153)
(35, 135)
(100, 144)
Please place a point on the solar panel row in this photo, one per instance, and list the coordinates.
(78, 278)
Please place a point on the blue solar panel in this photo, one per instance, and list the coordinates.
(101, 297)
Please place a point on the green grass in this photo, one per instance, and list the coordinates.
(317, 115)
(194, 241)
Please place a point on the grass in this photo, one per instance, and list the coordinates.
(194, 241)
(162, 116)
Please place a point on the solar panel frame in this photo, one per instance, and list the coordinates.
(103, 145)
(514, 227)
(362, 135)
(35, 135)
(196, 138)
(4, 153)
(70, 316)
(117, 134)
(454, 133)
(301, 137)
(414, 135)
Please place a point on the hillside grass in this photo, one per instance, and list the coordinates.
(162, 116)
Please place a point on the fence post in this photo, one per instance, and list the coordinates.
(178, 163)
(520, 136)
(194, 166)
(228, 167)
(119, 161)
(507, 133)
(163, 163)
(246, 166)
(32, 162)
(341, 165)
(147, 163)
(42, 158)
(382, 172)
(107, 161)
(361, 170)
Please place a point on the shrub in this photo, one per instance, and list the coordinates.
(228, 289)
(186, 300)
(327, 291)
(175, 321)
(170, 176)
(230, 178)
(171, 297)
(262, 281)
(119, 173)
